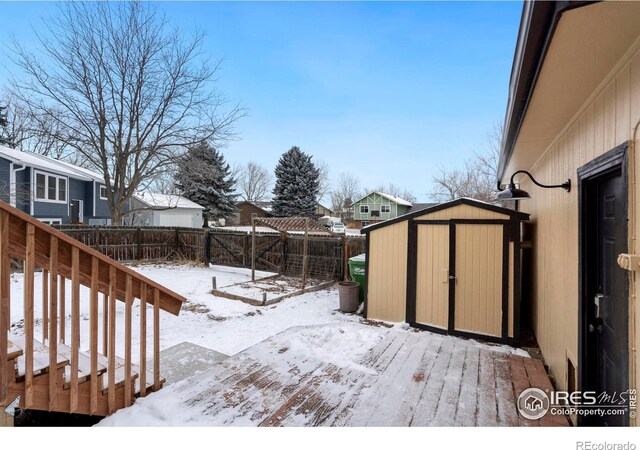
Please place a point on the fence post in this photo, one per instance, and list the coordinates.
(139, 246)
(96, 237)
(177, 241)
(207, 247)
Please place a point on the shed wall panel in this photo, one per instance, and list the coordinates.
(432, 277)
(387, 273)
(478, 291)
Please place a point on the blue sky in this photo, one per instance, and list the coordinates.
(386, 91)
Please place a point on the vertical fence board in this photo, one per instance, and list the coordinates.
(93, 336)
(111, 375)
(128, 393)
(143, 340)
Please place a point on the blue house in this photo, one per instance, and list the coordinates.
(52, 191)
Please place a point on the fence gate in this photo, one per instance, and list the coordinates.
(462, 277)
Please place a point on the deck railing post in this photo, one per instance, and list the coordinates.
(45, 304)
(128, 393)
(156, 339)
(29, 267)
(53, 324)
(143, 339)
(5, 300)
(93, 336)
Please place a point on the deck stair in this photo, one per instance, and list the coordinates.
(50, 372)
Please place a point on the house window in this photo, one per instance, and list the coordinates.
(375, 213)
(103, 193)
(51, 188)
(385, 208)
(365, 223)
(51, 221)
(364, 209)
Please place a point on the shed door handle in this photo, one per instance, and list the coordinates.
(452, 277)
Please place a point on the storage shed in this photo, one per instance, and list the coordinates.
(452, 268)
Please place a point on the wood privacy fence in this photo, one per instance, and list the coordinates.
(275, 252)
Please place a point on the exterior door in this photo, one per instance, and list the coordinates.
(77, 213)
(605, 297)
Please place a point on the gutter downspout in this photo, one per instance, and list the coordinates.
(13, 187)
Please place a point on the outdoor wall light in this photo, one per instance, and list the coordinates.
(513, 193)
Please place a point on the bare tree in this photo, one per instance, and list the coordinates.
(126, 91)
(346, 191)
(254, 181)
(477, 179)
(323, 179)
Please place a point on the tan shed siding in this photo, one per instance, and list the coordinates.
(387, 273)
(479, 279)
(462, 212)
(607, 120)
(432, 284)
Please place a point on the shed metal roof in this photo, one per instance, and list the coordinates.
(461, 201)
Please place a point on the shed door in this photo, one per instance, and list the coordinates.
(479, 276)
(432, 275)
(462, 277)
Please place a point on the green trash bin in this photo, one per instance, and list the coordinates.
(357, 271)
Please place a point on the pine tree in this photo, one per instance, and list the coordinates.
(204, 177)
(297, 185)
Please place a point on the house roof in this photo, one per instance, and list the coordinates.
(49, 164)
(420, 206)
(460, 201)
(393, 198)
(537, 26)
(155, 200)
(265, 205)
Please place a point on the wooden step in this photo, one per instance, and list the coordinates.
(13, 351)
(40, 358)
(149, 380)
(119, 373)
(84, 365)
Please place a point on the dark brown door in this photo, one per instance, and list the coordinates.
(606, 300)
(75, 211)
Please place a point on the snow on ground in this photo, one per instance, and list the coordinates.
(227, 326)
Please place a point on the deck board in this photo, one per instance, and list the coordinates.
(408, 378)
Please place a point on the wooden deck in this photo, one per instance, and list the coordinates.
(408, 379)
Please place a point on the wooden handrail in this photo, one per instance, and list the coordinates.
(62, 258)
(169, 301)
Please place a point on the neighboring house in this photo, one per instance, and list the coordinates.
(52, 191)
(247, 210)
(574, 113)
(322, 211)
(378, 206)
(164, 210)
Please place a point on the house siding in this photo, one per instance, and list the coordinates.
(23, 190)
(375, 201)
(604, 122)
(102, 206)
(5, 176)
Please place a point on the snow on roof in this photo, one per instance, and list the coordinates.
(49, 164)
(393, 198)
(166, 200)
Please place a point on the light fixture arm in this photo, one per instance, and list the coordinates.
(566, 185)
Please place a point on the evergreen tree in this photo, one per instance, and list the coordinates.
(297, 185)
(204, 177)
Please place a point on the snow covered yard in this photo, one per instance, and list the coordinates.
(301, 362)
(223, 325)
